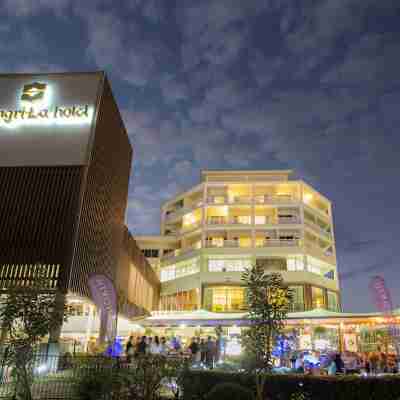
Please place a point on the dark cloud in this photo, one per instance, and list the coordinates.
(309, 85)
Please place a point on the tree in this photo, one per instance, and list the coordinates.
(268, 301)
(27, 314)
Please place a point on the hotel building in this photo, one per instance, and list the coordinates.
(232, 220)
(65, 161)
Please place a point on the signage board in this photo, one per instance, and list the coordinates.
(105, 297)
(47, 120)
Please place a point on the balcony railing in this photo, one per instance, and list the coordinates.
(314, 246)
(288, 220)
(189, 228)
(179, 252)
(224, 199)
(317, 228)
(284, 198)
(278, 243)
(241, 200)
(225, 243)
(296, 307)
(178, 212)
(217, 199)
(228, 221)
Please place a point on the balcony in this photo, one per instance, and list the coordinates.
(240, 200)
(245, 220)
(288, 220)
(225, 199)
(281, 198)
(315, 227)
(189, 228)
(179, 252)
(179, 212)
(217, 199)
(224, 244)
(296, 307)
(278, 243)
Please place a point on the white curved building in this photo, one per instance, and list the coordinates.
(232, 220)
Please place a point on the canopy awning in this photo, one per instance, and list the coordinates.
(207, 318)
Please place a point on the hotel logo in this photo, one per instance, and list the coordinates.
(33, 92)
(36, 108)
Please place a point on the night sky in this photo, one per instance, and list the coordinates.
(240, 84)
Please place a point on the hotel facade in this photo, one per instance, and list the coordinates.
(232, 220)
(65, 162)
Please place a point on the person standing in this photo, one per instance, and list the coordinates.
(141, 347)
(163, 346)
(210, 352)
(155, 347)
(339, 364)
(194, 349)
(129, 349)
(203, 351)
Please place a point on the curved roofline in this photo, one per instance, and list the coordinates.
(247, 172)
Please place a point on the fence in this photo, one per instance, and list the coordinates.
(59, 377)
(55, 377)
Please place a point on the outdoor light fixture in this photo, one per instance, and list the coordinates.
(308, 197)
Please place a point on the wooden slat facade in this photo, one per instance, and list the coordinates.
(69, 220)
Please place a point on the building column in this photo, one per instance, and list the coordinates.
(253, 219)
(59, 304)
(203, 216)
(89, 326)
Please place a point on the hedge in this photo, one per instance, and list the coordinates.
(197, 384)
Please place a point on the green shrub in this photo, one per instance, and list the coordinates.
(229, 391)
(197, 384)
(94, 386)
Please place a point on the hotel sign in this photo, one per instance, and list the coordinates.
(36, 108)
(48, 119)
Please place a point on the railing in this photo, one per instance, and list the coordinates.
(227, 221)
(224, 199)
(225, 243)
(274, 198)
(241, 200)
(290, 220)
(279, 243)
(58, 377)
(179, 252)
(217, 199)
(182, 210)
(189, 228)
(296, 307)
(319, 229)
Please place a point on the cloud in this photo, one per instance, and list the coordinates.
(26, 8)
(369, 270)
(129, 50)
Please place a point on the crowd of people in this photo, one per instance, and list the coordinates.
(208, 352)
(345, 363)
(200, 350)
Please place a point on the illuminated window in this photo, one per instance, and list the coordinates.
(184, 268)
(244, 242)
(333, 303)
(217, 242)
(261, 220)
(318, 297)
(297, 299)
(167, 273)
(295, 264)
(181, 301)
(242, 219)
(187, 267)
(219, 265)
(219, 199)
(224, 298)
